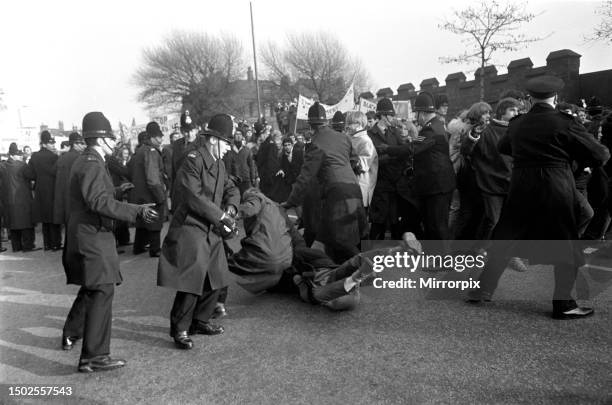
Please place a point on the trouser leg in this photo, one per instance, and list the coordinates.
(181, 314)
(493, 270)
(98, 318)
(154, 240)
(223, 295)
(565, 277)
(75, 321)
(27, 238)
(140, 240)
(46, 235)
(15, 236)
(492, 205)
(55, 233)
(122, 232)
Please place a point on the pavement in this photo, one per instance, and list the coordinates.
(398, 347)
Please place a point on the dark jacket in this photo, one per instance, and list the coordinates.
(180, 148)
(268, 164)
(90, 255)
(16, 196)
(41, 169)
(327, 162)
(266, 249)
(193, 249)
(390, 168)
(541, 202)
(146, 172)
(63, 166)
(491, 169)
(241, 164)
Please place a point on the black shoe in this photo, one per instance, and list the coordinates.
(3, 249)
(205, 328)
(157, 253)
(56, 248)
(575, 313)
(183, 341)
(100, 363)
(47, 248)
(31, 250)
(477, 296)
(69, 341)
(138, 251)
(120, 251)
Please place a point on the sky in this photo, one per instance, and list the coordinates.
(64, 58)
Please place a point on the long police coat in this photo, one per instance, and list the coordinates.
(147, 174)
(541, 203)
(192, 248)
(327, 161)
(41, 169)
(90, 255)
(62, 170)
(16, 196)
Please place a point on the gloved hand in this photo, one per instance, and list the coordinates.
(148, 214)
(227, 226)
(231, 211)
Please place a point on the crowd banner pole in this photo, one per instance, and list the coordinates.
(255, 62)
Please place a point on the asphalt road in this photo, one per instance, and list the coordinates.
(398, 347)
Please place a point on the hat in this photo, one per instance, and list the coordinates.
(385, 107)
(316, 114)
(544, 86)
(441, 100)
(424, 102)
(153, 130)
(96, 125)
(338, 121)
(142, 136)
(46, 137)
(220, 126)
(186, 122)
(75, 137)
(14, 150)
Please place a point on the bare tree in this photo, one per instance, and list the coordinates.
(2, 106)
(603, 32)
(190, 70)
(317, 61)
(487, 28)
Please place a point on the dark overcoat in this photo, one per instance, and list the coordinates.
(327, 161)
(16, 196)
(147, 174)
(62, 170)
(541, 203)
(90, 255)
(266, 249)
(193, 249)
(41, 169)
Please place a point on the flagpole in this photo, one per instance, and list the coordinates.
(255, 62)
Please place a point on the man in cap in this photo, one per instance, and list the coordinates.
(541, 203)
(90, 257)
(17, 201)
(193, 259)
(41, 169)
(327, 161)
(62, 173)
(147, 175)
(441, 107)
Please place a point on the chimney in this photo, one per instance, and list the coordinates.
(249, 74)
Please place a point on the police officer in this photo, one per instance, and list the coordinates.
(193, 259)
(179, 149)
(337, 123)
(41, 169)
(147, 174)
(327, 161)
(90, 257)
(541, 203)
(434, 177)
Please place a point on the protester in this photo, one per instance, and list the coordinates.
(364, 148)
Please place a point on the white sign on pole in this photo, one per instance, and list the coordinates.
(346, 104)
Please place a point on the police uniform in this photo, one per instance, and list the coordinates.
(62, 170)
(542, 203)
(343, 220)
(41, 169)
(193, 260)
(147, 174)
(90, 257)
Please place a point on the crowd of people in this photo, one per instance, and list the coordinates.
(532, 168)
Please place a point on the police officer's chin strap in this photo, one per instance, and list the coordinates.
(108, 146)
